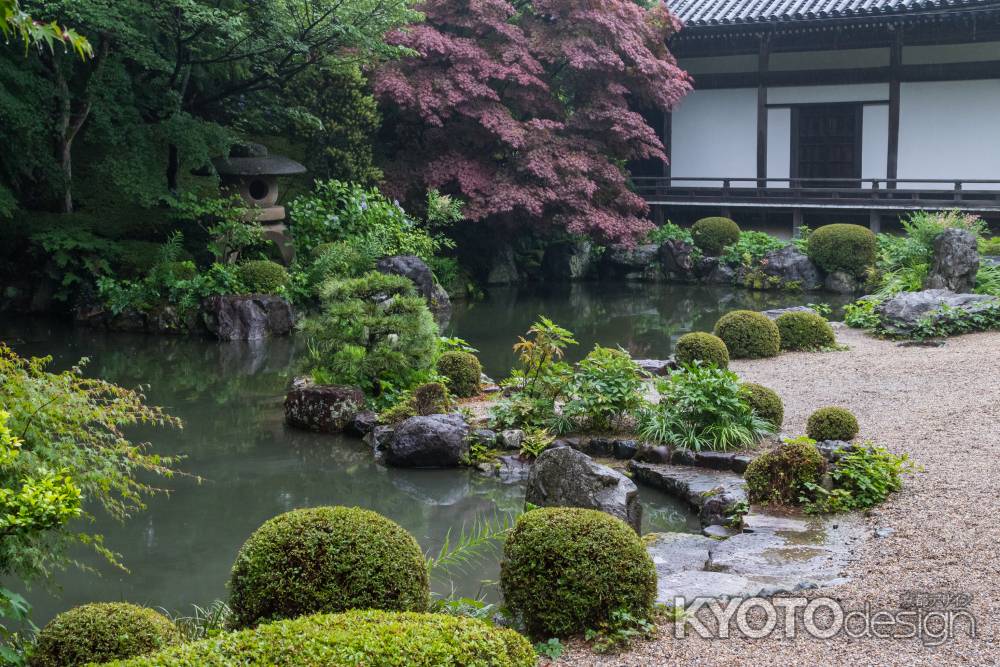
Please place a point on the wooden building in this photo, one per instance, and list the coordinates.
(812, 109)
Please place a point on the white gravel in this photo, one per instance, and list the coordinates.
(942, 406)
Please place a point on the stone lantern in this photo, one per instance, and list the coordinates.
(253, 173)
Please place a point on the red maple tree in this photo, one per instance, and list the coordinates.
(529, 112)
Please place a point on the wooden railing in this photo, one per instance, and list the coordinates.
(867, 193)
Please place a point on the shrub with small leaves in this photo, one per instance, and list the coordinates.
(765, 403)
(703, 347)
(463, 371)
(326, 559)
(748, 335)
(802, 330)
(714, 234)
(832, 423)
(97, 633)
(263, 276)
(840, 247)
(780, 476)
(565, 570)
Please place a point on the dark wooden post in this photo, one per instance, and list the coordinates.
(763, 64)
(895, 68)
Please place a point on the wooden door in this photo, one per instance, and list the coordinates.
(826, 144)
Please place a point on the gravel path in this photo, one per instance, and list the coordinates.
(942, 406)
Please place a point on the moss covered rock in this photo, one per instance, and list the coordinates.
(463, 371)
(714, 234)
(780, 476)
(566, 569)
(841, 247)
(765, 402)
(362, 637)
(703, 347)
(748, 335)
(262, 276)
(832, 423)
(101, 632)
(800, 330)
(326, 559)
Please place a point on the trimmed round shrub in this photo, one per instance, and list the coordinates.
(714, 234)
(841, 247)
(361, 637)
(748, 335)
(804, 331)
(101, 632)
(703, 347)
(262, 276)
(832, 423)
(326, 559)
(567, 569)
(765, 402)
(463, 371)
(779, 476)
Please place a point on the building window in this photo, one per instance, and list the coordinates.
(826, 144)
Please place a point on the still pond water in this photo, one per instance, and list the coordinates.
(229, 396)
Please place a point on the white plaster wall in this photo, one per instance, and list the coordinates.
(861, 92)
(950, 129)
(779, 145)
(714, 133)
(874, 141)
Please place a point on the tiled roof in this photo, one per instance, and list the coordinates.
(705, 13)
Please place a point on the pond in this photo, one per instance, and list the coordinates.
(180, 549)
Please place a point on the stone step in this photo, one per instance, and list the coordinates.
(713, 493)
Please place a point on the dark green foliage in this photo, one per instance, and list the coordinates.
(750, 249)
(326, 559)
(862, 478)
(714, 234)
(703, 347)
(566, 570)
(430, 398)
(605, 387)
(362, 637)
(765, 402)
(832, 423)
(263, 276)
(463, 371)
(373, 332)
(748, 335)
(780, 476)
(841, 247)
(102, 632)
(804, 331)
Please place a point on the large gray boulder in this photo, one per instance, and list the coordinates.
(569, 260)
(565, 477)
(905, 310)
(789, 264)
(434, 441)
(414, 268)
(841, 282)
(252, 317)
(956, 261)
(675, 256)
(503, 270)
(325, 408)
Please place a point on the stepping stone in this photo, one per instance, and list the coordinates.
(674, 552)
(692, 584)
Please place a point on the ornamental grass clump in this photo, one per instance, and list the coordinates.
(359, 637)
(748, 335)
(802, 330)
(97, 633)
(832, 423)
(703, 347)
(765, 403)
(782, 476)
(711, 235)
(326, 559)
(565, 570)
(840, 247)
(463, 371)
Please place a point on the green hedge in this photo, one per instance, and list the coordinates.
(326, 559)
(765, 402)
(565, 570)
(703, 347)
(371, 638)
(779, 476)
(832, 423)
(748, 335)
(841, 247)
(714, 234)
(463, 371)
(101, 632)
(262, 276)
(804, 331)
